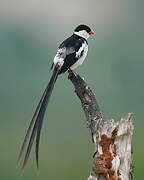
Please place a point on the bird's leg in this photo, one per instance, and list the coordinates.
(71, 73)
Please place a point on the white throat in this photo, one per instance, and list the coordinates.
(83, 34)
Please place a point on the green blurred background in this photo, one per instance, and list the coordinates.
(30, 32)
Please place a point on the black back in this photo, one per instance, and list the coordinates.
(71, 45)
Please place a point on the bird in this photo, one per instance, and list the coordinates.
(70, 54)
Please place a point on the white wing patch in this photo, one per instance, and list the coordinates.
(63, 52)
(60, 56)
(83, 48)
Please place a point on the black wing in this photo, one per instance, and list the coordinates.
(68, 50)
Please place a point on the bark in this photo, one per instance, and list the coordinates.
(112, 159)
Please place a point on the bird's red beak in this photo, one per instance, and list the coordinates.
(92, 33)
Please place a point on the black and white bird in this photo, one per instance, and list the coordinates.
(70, 54)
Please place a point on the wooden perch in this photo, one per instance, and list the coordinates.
(112, 159)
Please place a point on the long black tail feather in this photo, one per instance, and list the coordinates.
(41, 114)
(30, 127)
(37, 121)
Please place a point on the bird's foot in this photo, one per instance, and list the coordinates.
(71, 73)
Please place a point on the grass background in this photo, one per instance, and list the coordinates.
(30, 32)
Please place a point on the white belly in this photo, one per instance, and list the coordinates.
(81, 60)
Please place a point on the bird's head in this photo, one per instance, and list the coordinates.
(84, 31)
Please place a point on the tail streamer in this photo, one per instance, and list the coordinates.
(34, 130)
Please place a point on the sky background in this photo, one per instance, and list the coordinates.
(30, 32)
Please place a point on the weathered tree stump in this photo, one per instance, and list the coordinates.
(112, 159)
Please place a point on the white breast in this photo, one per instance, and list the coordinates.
(81, 59)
